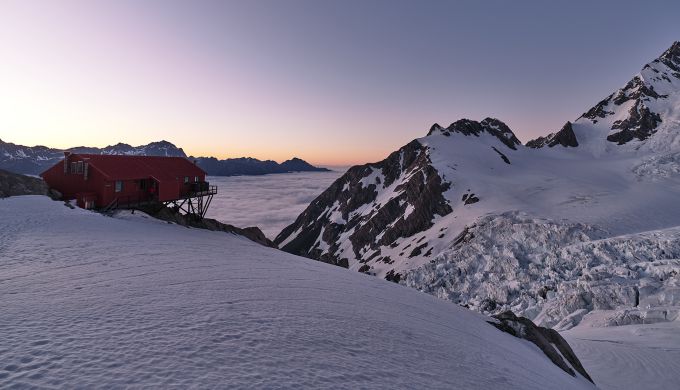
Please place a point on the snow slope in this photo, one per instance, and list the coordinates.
(91, 301)
(631, 356)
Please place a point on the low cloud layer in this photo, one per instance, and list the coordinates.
(270, 202)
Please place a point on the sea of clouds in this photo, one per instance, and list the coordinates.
(270, 202)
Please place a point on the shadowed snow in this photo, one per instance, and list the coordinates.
(93, 301)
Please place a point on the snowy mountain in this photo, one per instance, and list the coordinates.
(161, 148)
(643, 116)
(36, 159)
(33, 160)
(134, 302)
(583, 219)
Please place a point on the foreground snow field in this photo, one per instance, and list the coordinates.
(91, 301)
(630, 357)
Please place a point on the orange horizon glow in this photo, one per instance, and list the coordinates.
(143, 84)
(333, 83)
(350, 158)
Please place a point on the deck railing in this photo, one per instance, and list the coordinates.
(130, 201)
(143, 199)
(208, 190)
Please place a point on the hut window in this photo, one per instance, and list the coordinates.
(186, 179)
(80, 167)
(195, 179)
(74, 167)
(119, 186)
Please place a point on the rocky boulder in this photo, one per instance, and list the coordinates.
(164, 213)
(553, 345)
(12, 184)
(565, 137)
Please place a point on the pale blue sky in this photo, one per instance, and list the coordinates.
(333, 82)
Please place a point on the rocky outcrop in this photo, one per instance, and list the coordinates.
(349, 211)
(553, 345)
(164, 213)
(640, 124)
(12, 184)
(671, 58)
(565, 137)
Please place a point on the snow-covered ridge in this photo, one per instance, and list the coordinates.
(33, 160)
(643, 115)
(367, 210)
(402, 218)
(469, 127)
(92, 301)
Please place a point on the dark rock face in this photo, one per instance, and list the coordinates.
(470, 198)
(634, 90)
(393, 277)
(640, 124)
(503, 156)
(164, 213)
(671, 58)
(637, 90)
(252, 166)
(334, 213)
(565, 137)
(598, 111)
(12, 184)
(548, 340)
(489, 125)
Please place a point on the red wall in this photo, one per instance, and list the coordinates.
(71, 185)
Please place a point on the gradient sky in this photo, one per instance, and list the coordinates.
(339, 82)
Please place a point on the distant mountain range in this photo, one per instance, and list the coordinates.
(33, 160)
(253, 166)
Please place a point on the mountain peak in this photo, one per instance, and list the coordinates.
(470, 127)
(435, 128)
(672, 53)
(120, 145)
(634, 113)
(162, 143)
(565, 137)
